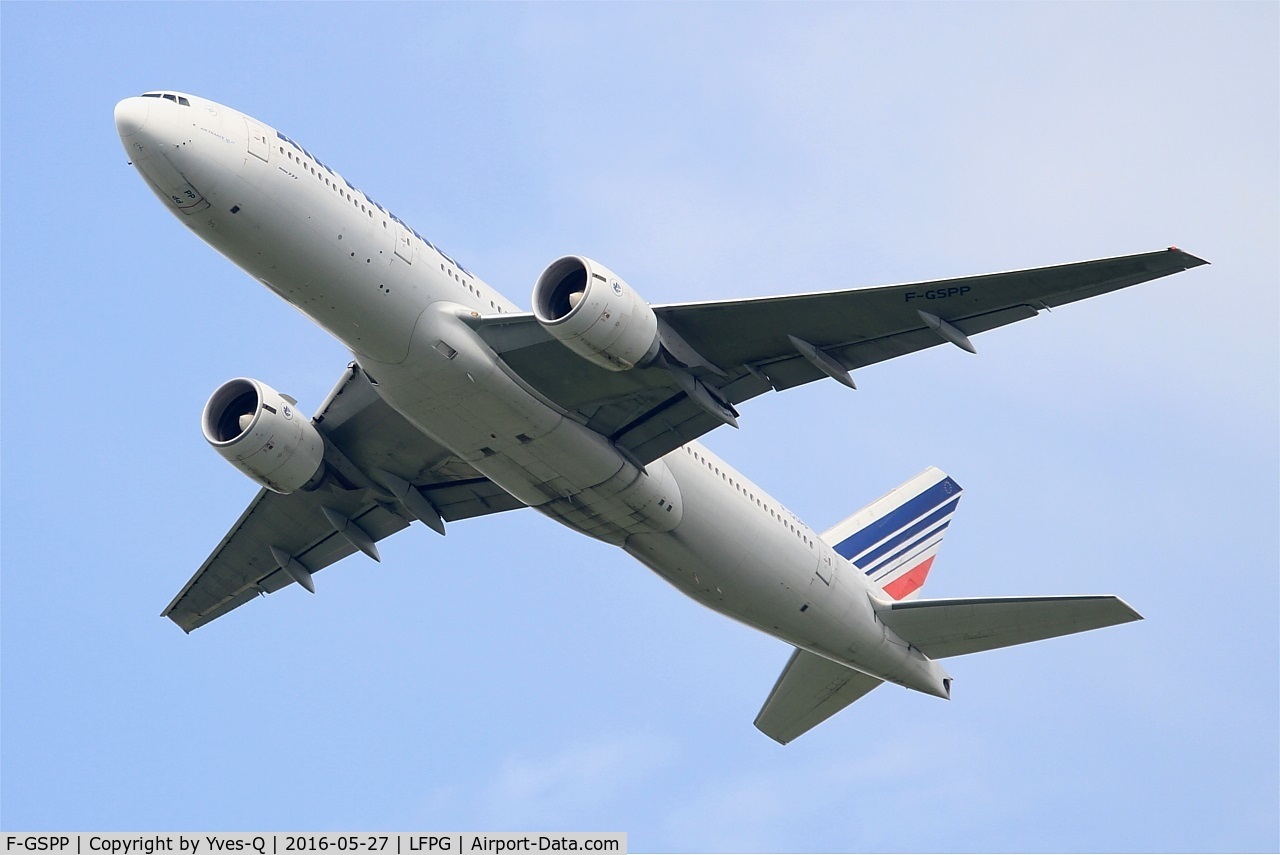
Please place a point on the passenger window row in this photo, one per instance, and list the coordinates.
(354, 199)
(777, 515)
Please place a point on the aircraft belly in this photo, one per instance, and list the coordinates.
(453, 389)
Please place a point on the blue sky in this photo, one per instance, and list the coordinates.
(516, 676)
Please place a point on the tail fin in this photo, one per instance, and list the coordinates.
(894, 539)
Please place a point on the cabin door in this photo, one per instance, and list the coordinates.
(259, 146)
(404, 243)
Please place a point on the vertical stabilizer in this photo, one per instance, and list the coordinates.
(894, 539)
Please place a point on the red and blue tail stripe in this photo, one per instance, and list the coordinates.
(894, 539)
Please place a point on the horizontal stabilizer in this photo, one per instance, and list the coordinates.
(809, 691)
(942, 628)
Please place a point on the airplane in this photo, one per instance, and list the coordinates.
(457, 404)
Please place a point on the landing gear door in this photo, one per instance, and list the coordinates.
(259, 145)
(404, 244)
(169, 184)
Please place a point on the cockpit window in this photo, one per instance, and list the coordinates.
(177, 99)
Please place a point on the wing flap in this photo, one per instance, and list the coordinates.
(809, 691)
(955, 627)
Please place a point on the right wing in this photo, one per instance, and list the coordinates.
(371, 436)
(773, 343)
(809, 691)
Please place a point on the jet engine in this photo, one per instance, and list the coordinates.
(586, 307)
(262, 433)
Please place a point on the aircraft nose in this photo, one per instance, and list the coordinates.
(131, 115)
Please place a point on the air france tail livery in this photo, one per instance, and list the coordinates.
(587, 409)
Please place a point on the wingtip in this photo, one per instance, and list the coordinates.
(1192, 260)
(1134, 614)
(167, 613)
(772, 733)
(1131, 615)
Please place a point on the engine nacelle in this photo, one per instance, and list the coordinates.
(264, 435)
(595, 314)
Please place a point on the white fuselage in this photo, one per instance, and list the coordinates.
(398, 303)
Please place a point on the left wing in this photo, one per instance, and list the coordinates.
(809, 691)
(349, 513)
(779, 342)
